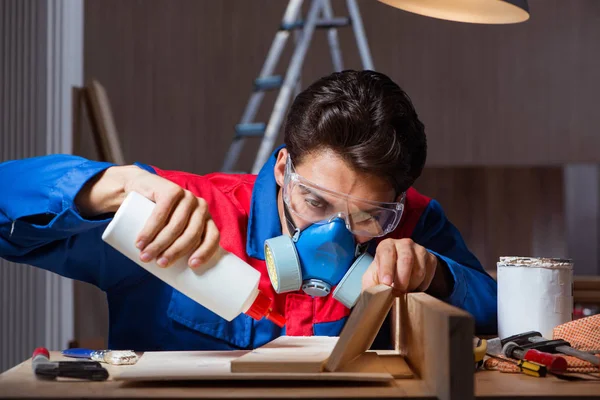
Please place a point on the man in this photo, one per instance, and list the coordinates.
(353, 148)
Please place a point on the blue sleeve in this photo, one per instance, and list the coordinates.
(474, 289)
(41, 226)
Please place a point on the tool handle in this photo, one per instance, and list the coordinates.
(521, 338)
(552, 362)
(547, 346)
(560, 346)
(579, 354)
(532, 368)
(90, 370)
(78, 353)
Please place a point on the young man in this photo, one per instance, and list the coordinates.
(353, 148)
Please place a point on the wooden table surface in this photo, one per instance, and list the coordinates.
(19, 382)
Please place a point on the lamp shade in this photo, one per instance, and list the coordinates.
(473, 11)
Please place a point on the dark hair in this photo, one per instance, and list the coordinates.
(364, 117)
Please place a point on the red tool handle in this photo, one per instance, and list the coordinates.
(553, 362)
(41, 350)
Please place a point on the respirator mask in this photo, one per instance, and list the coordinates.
(325, 254)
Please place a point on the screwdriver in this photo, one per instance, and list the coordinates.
(526, 367)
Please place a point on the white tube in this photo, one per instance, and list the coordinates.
(226, 285)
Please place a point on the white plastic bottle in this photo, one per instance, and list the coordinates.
(226, 285)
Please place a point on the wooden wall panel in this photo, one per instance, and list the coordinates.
(177, 72)
(582, 219)
(179, 75)
(518, 94)
(502, 211)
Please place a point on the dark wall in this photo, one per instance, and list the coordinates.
(179, 74)
(504, 106)
(502, 211)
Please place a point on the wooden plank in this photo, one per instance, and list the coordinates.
(373, 363)
(301, 354)
(315, 354)
(102, 123)
(370, 366)
(363, 325)
(395, 325)
(395, 364)
(437, 341)
(216, 365)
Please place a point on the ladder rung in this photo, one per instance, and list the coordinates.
(250, 130)
(268, 82)
(321, 23)
(334, 22)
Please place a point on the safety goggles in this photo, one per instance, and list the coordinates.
(318, 205)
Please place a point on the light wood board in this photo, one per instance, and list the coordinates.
(288, 354)
(316, 354)
(393, 364)
(362, 327)
(290, 357)
(216, 365)
(308, 354)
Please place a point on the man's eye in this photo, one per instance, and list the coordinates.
(362, 217)
(313, 202)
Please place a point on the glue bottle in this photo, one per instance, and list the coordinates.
(225, 284)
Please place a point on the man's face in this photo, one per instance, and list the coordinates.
(327, 170)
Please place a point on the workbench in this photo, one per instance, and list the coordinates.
(434, 339)
(19, 382)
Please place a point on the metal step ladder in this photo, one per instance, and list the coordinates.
(320, 15)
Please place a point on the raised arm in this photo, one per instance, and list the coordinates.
(57, 207)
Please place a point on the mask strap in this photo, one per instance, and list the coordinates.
(361, 248)
(290, 223)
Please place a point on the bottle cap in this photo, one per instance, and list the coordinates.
(262, 308)
(276, 318)
(41, 350)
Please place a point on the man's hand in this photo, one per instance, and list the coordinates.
(179, 225)
(403, 264)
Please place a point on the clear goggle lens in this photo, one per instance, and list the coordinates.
(315, 204)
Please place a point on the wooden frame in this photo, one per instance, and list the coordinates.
(435, 341)
(314, 354)
(434, 346)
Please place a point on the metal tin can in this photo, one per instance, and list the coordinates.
(534, 294)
